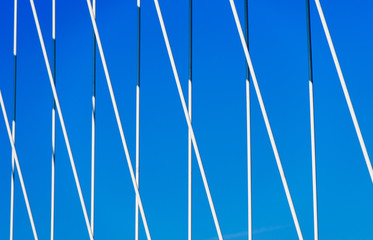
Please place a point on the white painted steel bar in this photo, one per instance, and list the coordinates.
(138, 118)
(312, 121)
(268, 126)
(248, 132)
(115, 107)
(14, 121)
(190, 116)
(53, 122)
(72, 162)
(313, 149)
(176, 75)
(93, 137)
(14, 153)
(248, 136)
(344, 87)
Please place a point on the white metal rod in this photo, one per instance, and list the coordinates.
(268, 126)
(14, 120)
(138, 118)
(312, 121)
(115, 107)
(248, 136)
(93, 138)
(53, 121)
(248, 132)
(190, 164)
(182, 99)
(344, 87)
(72, 162)
(313, 149)
(14, 153)
(190, 116)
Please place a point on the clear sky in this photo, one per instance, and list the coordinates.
(278, 47)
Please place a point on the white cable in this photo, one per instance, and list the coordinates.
(53, 132)
(15, 28)
(93, 148)
(248, 135)
(314, 189)
(344, 87)
(264, 113)
(115, 107)
(93, 144)
(12, 184)
(14, 153)
(13, 129)
(84, 209)
(137, 158)
(188, 119)
(190, 164)
(53, 170)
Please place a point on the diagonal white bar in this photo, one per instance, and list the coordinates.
(187, 117)
(268, 126)
(115, 107)
(14, 153)
(344, 87)
(84, 209)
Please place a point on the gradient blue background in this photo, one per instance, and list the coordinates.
(279, 54)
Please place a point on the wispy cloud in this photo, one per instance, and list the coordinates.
(239, 235)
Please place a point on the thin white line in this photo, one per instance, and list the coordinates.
(188, 119)
(93, 147)
(190, 164)
(137, 158)
(344, 87)
(13, 129)
(15, 28)
(54, 19)
(12, 184)
(93, 163)
(14, 153)
(268, 126)
(115, 107)
(313, 149)
(61, 120)
(53, 170)
(248, 135)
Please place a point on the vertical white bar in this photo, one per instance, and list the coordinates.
(93, 143)
(137, 158)
(53, 128)
(190, 163)
(12, 184)
(344, 87)
(13, 123)
(268, 126)
(314, 189)
(138, 120)
(248, 135)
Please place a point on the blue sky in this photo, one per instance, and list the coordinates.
(278, 47)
